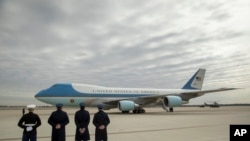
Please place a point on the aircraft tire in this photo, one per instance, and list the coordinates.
(139, 111)
(143, 111)
(124, 112)
(171, 109)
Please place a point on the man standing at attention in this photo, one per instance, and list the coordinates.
(101, 121)
(58, 120)
(82, 119)
(29, 122)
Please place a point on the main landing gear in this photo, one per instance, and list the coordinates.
(171, 109)
(137, 111)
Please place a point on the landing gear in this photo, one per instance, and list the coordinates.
(140, 111)
(171, 109)
(125, 112)
(137, 111)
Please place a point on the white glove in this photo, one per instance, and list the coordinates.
(29, 128)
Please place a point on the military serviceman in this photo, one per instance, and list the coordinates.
(29, 122)
(58, 120)
(101, 121)
(82, 119)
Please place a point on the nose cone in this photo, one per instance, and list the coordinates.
(39, 94)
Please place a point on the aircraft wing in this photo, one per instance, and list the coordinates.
(188, 95)
(145, 100)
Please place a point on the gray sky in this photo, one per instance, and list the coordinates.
(132, 43)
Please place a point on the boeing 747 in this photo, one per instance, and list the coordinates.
(125, 99)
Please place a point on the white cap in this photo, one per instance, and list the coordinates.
(31, 106)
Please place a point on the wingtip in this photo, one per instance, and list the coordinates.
(230, 88)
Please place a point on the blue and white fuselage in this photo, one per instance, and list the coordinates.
(92, 95)
(125, 99)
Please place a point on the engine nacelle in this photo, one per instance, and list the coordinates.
(126, 105)
(172, 101)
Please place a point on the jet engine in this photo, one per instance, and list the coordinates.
(126, 105)
(172, 101)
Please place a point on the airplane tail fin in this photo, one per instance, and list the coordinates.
(196, 81)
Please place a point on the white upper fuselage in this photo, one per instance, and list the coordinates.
(113, 90)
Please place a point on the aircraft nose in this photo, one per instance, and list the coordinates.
(39, 94)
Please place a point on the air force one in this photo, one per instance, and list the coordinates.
(126, 99)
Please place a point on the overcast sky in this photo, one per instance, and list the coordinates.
(132, 43)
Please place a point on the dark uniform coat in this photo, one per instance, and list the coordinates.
(29, 118)
(82, 119)
(58, 117)
(101, 118)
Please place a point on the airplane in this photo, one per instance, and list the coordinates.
(125, 99)
(212, 105)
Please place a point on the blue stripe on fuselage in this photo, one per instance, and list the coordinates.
(66, 90)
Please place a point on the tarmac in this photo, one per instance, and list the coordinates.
(185, 123)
